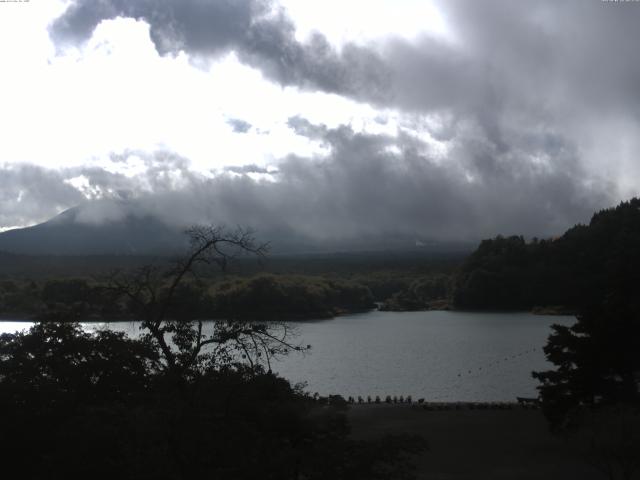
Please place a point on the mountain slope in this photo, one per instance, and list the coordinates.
(66, 234)
(108, 227)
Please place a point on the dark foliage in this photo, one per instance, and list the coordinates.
(79, 405)
(261, 296)
(597, 362)
(270, 296)
(18, 297)
(56, 379)
(585, 263)
(182, 401)
(424, 293)
(593, 396)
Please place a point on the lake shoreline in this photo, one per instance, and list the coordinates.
(320, 316)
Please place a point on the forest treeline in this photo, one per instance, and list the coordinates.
(288, 296)
(569, 271)
(258, 297)
(295, 287)
(266, 296)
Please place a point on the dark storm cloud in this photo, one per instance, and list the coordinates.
(257, 30)
(366, 187)
(379, 183)
(194, 25)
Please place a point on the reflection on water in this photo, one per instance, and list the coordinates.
(11, 327)
(441, 356)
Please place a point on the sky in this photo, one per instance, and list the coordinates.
(436, 120)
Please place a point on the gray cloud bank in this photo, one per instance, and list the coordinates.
(366, 187)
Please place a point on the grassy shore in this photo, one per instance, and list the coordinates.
(479, 443)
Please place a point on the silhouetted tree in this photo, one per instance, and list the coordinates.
(597, 361)
(57, 380)
(76, 405)
(65, 363)
(593, 394)
(180, 335)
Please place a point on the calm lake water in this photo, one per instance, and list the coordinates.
(439, 356)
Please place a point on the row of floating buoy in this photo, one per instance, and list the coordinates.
(498, 362)
(524, 404)
(388, 399)
(368, 400)
(336, 399)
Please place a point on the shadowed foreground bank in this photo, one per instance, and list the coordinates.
(478, 444)
(78, 405)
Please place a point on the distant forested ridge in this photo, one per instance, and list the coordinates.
(571, 271)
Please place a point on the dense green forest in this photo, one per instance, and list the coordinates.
(427, 292)
(568, 271)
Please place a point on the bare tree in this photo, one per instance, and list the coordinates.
(188, 345)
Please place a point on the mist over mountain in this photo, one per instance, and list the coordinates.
(114, 227)
(70, 233)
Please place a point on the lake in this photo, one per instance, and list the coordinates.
(436, 355)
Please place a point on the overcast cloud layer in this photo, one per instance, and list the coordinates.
(524, 119)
